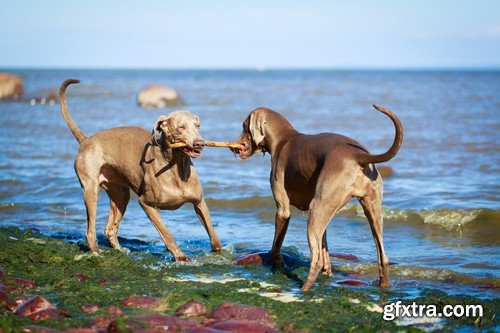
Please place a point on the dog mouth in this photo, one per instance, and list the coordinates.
(242, 153)
(194, 153)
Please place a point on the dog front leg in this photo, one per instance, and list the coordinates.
(154, 215)
(203, 213)
(281, 221)
(280, 227)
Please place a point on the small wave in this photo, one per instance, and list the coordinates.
(451, 219)
(447, 218)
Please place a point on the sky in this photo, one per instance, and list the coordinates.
(358, 34)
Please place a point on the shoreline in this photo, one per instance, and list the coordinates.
(69, 277)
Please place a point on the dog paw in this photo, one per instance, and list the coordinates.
(328, 272)
(217, 248)
(124, 250)
(307, 285)
(182, 259)
(385, 284)
(279, 264)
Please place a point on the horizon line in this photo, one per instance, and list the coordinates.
(262, 68)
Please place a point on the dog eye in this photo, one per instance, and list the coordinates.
(197, 125)
(181, 127)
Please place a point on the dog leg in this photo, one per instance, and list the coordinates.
(118, 200)
(281, 219)
(90, 194)
(322, 208)
(280, 227)
(154, 215)
(372, 208)
(316, 226)
(327, 268)
(203, 213)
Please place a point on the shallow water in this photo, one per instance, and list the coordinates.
(441, 206)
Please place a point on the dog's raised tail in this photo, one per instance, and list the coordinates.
(77, 132)
(365, 158)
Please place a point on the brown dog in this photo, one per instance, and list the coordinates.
(124, 158)
(319, 173)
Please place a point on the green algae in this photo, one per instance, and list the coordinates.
(112, 276)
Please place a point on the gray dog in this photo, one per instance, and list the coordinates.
(124, 158)
(319, 173)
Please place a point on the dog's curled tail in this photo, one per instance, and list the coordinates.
(77, 132)
(366, 158)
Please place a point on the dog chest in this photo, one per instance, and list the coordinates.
(166, 189)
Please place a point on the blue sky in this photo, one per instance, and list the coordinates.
(248, 34)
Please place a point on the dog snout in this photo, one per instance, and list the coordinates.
(198, 144)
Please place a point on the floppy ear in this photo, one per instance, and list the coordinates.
(256, 127)
(158, 126)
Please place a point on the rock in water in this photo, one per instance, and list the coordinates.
(11, 86)
(250, 259)
(158, 96)
(352, 282)
(385, 171)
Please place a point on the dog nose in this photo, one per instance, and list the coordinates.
(198, 144)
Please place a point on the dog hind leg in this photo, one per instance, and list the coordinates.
(327, 267)
(119, 197)
(372, 207)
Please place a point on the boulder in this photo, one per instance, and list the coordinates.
(352, 282)
(265, 258)
(250, 259)
(100, 323)
(169, 323)
(11, 86)
(140, 302)
(344, 256)
(203, 329)
(15, 304)
(34, 304)
(44, 314)
(17, 285)
(242, 326)
(191, 309)
(50, 98)
(158, 96)
(238, 312)
(83, 330)
(4, 298)
(40, 329)
(80, 277)
(89, 308)
(114, 312)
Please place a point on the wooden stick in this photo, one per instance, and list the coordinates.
(217, 144)
(225, 144)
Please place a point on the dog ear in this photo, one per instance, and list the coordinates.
(256, 127)
(158, 126)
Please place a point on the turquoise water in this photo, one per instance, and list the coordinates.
(441, 206)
